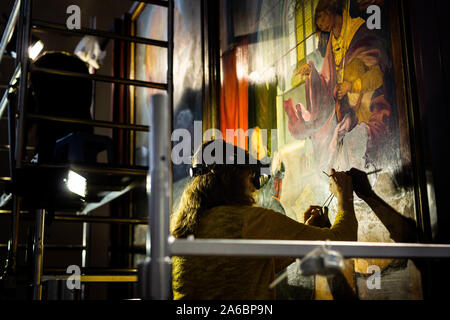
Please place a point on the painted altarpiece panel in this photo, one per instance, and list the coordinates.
(264, 44)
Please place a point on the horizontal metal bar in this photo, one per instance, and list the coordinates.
(6, 147)
(91, 219)
(92, 123)
(50, 26)
(136, 171)
(277, 248)
(27, 213)
(50, 246)
(8, 212)
(94, 278)
(5, 178)
(9, 29)
(93, 271)
(101, 78)
(108, 278)
(106, 170)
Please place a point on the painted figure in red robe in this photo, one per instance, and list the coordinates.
(347, 115)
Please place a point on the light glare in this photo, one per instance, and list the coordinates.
(149, 184)
(76, 183)
(35, 50)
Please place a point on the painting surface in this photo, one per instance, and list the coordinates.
(151, 65)
(265, 45)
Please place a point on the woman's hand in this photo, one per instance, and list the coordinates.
(361, 184)
(342, 187)
(315, 217)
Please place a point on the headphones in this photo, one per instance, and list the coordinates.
(205, 163)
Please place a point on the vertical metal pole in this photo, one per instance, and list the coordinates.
(156, 272)
(170, 51)
(23, 56)
(92, 70)
(159, 204)
(38, 253)
(86, 226)
(9, 29)
(12, 254)
(85, 241)
(23, 44)
(10, 266)
(12, 133)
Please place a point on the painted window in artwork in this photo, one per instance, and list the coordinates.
(300, 22)
(306, 41)
(305, 28)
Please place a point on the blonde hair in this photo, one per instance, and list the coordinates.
(225, 185)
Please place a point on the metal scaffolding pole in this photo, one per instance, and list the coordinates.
(12, 82)
(38, 247)
(9, 30)
(50, 26)
(102, 78)
(24, 23)
(95, 123)
(23, 43)
(6, 147)
(155, 273)
(92, 271)
(290, 248)
(92, 219)
(158, 267)
(132, 171)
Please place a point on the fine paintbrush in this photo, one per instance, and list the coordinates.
(369, 173)
(331, 196)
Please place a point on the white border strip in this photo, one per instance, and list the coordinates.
(277, 248)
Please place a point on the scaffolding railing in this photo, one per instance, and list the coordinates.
(10, 26)
(40, 25)
(91, 123)
(291, 248)
(21, 15)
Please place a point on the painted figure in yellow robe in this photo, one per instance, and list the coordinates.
(347, 115)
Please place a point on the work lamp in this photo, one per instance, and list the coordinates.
(76, 183)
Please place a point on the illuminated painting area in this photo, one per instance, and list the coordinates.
(264, 45)
(151, 65)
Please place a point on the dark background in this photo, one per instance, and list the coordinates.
(430, 68)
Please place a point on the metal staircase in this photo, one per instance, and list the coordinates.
(114, 181)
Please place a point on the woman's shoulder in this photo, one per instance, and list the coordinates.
(240, 209)
(238, 212)
(223, 222)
